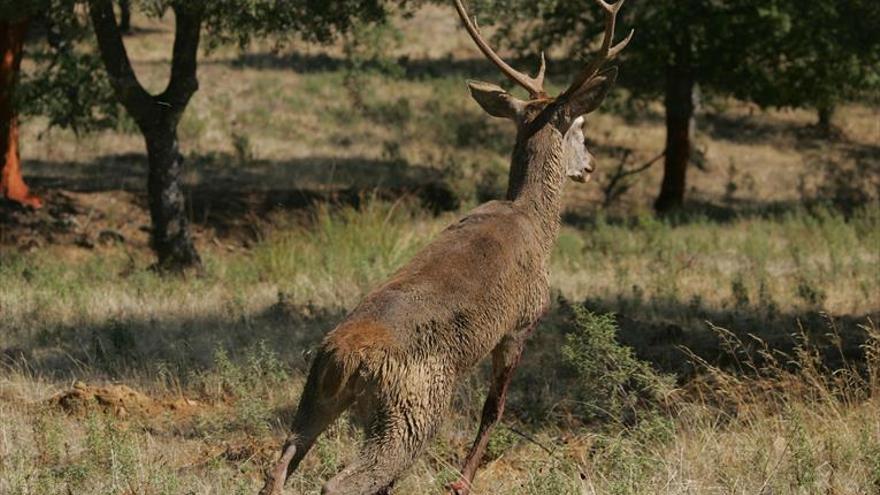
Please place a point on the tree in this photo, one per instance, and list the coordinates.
(822, 53)
(62, 85)
(125, 16)
(12, 185)
(759, 51)
(157, 115)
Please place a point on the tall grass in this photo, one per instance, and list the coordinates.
(800, 260)
(340, 255)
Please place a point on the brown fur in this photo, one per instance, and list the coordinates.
(355, 337)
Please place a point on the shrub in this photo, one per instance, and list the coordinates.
(612, 381)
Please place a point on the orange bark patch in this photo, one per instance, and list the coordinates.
(12, 185)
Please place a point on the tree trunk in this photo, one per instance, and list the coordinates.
(12, 185)
(825, 114)
(170, 237)
(679, 101)
(157, 117)
(125, 16)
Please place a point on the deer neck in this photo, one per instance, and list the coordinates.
(535, 185)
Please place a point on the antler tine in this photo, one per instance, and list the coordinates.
(616, 49)
(611, 10)
(534, 85)
(608, 51)
(541, 70)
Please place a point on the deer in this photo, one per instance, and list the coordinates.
(479, 288)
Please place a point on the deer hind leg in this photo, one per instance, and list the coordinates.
(328, 392)
(505, 358)
(395, 437)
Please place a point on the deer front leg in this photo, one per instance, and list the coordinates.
(505, 358)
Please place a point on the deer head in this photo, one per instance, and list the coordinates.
(550, 130)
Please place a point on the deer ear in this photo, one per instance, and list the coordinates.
(588, 97)
(495, 101)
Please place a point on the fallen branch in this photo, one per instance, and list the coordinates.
(529, 438)
(615, 188)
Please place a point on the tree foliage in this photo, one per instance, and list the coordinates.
(821, 53)
(64, 82)
(238, 22)
(773, 52)
(718, 36)
(67, 84)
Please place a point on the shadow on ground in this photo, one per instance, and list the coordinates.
(662, 332)
(218, 171)
(128, 347)
(696, 211)
(225, 196)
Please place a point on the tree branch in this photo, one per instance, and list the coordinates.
(183, 83)
(615, 188)
(128, 89)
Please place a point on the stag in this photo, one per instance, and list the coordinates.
(479, 288)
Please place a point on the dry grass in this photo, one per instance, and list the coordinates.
(782, 399)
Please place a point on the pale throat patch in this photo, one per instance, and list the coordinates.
(575, 156)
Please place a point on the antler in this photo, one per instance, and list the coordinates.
(534, 85)
(607, 52)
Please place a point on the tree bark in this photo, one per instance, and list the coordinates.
(125, 16)
(12, 185)
(825, 114)
(171, 239)
(157, 117)
(680, 104)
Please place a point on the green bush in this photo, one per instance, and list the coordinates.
(612, 381)
(248, 384)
